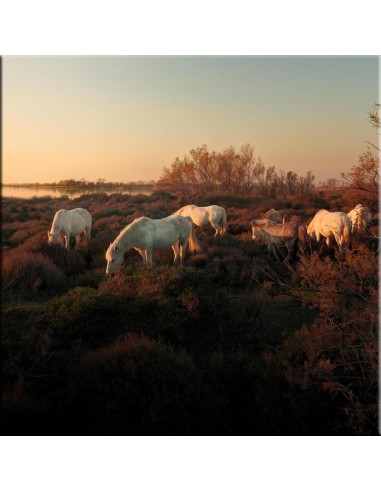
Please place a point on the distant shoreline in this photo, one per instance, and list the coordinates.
(84, 187)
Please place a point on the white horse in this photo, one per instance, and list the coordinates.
(70, 223)
(202, 215)
(276, 234)
(278, 216)
(331, 225)
(361, 218)
(145, 234)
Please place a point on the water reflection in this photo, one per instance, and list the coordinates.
(31, 191)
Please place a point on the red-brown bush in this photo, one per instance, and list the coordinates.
(25, 274)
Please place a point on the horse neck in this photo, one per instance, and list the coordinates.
(57, 224)
(125, 239)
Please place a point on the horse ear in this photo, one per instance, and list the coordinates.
(251, 222)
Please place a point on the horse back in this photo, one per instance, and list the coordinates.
(281, 233)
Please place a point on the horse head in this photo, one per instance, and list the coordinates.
(256, 226)
(114, 258)
(53, 237)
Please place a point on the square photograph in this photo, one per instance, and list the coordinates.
(190, 245)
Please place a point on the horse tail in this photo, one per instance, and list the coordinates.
(194, 245)
(224, 221)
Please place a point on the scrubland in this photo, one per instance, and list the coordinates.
(233, 342)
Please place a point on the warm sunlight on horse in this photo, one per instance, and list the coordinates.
(201, 216)
(70, 223)
(276, 235)
(145, 235)
(278, 216)
(361, 218)
(330, 225)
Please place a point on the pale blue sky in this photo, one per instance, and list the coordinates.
(124, 118)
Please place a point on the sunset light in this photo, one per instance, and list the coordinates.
(125, 118)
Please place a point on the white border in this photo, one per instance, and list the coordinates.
(245, 27)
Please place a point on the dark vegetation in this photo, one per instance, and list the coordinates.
(231, 343)
(88, 186)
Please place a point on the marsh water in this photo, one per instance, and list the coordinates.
(55, 192)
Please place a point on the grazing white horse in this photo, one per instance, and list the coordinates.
(202, 215)
(278, 216)
(276, 234)
(70, 223)
(145, 234)
(330, 225)
(361, 218)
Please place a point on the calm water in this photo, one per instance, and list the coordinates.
(29, 192)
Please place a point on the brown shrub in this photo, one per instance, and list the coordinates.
(25, 274)
(151, 284)
(342, 360)
(335, 287)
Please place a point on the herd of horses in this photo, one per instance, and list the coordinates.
(178, 231)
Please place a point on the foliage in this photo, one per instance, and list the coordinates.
(135, 386)
(26, 274)
(365, 175)
(232, 342)
(374, 116)
(232, 172)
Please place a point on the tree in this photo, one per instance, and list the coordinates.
(231, 172)
(365, 175)
(206, 171)
(374, 116)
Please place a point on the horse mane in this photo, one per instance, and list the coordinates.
(57, 219)
(123, 237)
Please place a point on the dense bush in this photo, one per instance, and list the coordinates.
(338, 354)
(232, 342)
(135, 386)
(26, 274)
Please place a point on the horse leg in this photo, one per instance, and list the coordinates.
(78, 239)
(220, 226)
(215, 227)
(290, 249)
(67, 241)
(149, 256)
(327, 241)
(272, 249)
(183, 249)
(88, 232)
(175, 248)
(142, 254)
(339, 241)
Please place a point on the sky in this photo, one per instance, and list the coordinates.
(125, 118)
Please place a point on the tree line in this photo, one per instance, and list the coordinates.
(205, 171)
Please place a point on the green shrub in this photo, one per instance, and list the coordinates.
(85, 318)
